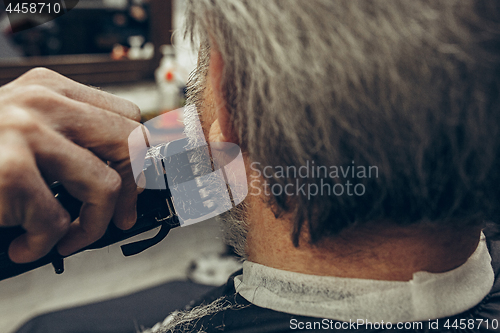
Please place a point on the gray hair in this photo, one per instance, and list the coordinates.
(408, 86)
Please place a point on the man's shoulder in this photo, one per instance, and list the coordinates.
(234, 314)
(227, 311)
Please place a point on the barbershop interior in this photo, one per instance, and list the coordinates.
(249, 166)
(132, 49)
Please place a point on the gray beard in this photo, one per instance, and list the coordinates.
(234, 229)
(184, 321)
(234, 222)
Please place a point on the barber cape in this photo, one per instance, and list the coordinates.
(263, 299)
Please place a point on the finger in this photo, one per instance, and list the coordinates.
(103, 132)
(77, 91)
(25, 200)
(106, 135)
(86, 178)
(125, 214)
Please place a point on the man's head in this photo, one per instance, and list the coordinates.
(405, 89)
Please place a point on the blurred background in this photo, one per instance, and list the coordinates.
(129, 48)
(132, 48)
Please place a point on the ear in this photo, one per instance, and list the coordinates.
(222, 130)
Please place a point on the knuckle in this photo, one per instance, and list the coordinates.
(63, 218)
(34, 89)
(14, 166)
(39, 73)
(112, 184)
(61, 223)
(20, 121)
(33, 96)
(36, 95)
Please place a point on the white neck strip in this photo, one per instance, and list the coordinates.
(426, 296)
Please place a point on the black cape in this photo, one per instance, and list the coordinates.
(249, 318)
(129, 314)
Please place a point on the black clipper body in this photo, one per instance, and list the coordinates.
(155, 208)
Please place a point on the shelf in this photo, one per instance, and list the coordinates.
(88, 69)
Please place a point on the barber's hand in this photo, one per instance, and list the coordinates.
(52, 128)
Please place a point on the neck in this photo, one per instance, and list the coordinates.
(382, 251)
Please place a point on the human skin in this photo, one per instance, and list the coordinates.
(55, 129)
(52, 128)
(379, 250)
